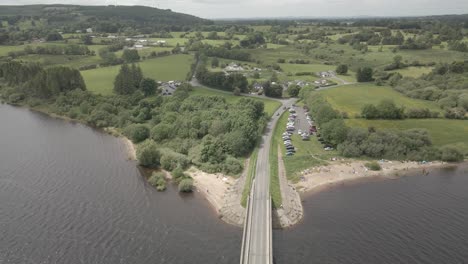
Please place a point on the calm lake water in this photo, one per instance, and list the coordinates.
(68, 194)
(416, 219)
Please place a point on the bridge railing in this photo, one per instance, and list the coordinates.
(247, 227)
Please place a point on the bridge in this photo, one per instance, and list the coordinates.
(257, 235)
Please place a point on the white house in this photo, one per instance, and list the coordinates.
(89, 30)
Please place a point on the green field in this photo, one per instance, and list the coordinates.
(270, 105)
(351, 98)
(442, 131)
(168, 68)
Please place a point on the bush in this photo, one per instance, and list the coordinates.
(232, 166)
(171, 160)
(15, 98)
(158, 180)
(374, 166)
(136, 132)
(342, 69)
(148, 154)
(178, 174)
(186, 185)
(451, 154)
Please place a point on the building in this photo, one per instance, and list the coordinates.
(234, 67)
(89, 30)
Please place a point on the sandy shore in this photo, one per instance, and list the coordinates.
(318, 178)
(131, 149)
(213, 186)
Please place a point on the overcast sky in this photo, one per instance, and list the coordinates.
(283, 8)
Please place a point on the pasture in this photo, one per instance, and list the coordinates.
(351, 98)
(175, 67)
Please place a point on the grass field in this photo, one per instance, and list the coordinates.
(270, 105)
(175, 67)
(351, 98)
(442, 131)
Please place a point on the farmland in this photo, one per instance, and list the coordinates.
(351, 98)
(175, 67)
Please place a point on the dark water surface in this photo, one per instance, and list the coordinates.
(416, 219)
(69, 195)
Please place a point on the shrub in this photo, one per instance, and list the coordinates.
(136, 132)
(178, 174)
(186, 185)
(15, 98)
(451, 154)
(148, 154)
(342, 69)
(232, 166)
(158, 180)
(171, 160)
(374, 166)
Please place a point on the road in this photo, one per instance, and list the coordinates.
(259, 234)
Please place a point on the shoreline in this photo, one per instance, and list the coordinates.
(318, 179)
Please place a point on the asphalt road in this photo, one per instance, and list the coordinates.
(259, 229)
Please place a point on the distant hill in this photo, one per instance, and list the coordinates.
(107, 18)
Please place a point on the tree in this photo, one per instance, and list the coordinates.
(334, 132)
(137, 75)
(54, 36)
(364, 74)
(215, 62)
(109, 57)
(130, 56)
(342, 69)
(148, 154)
(293, 90)
(87, 40)
(148, 86)
(273, 90)
(136, 132)
(123, 83)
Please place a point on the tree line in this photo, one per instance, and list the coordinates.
(412, 144)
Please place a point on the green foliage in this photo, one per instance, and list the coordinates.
(130, 56)
(54, 36)
(171, 160)
(364, 74)
(334, 132)
(221, 81)
(386, 109)
(293, 90)
(148, 154)
(148, 86)
(273, 90)
(342, 69)
(186, 185)
(452, 154)
(136, 132)
(158, 180)
(374, 166)
(128, 80)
